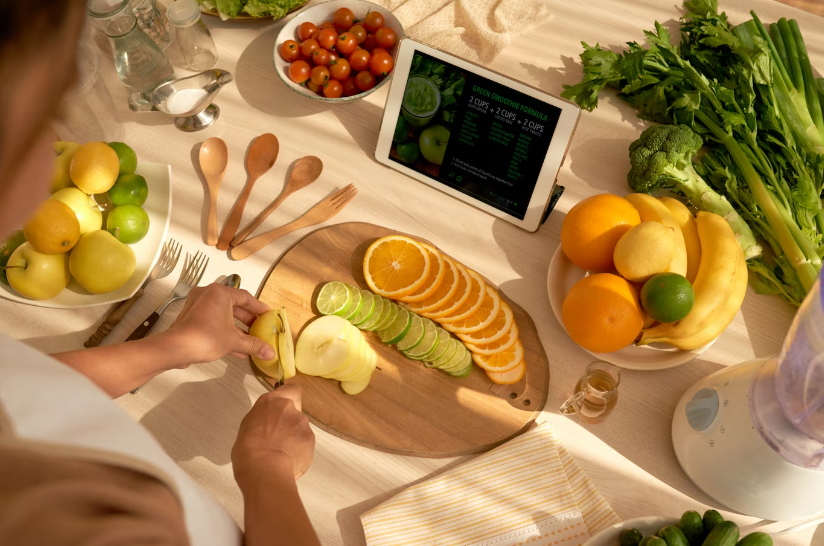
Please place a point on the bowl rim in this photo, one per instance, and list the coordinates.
(362, 94)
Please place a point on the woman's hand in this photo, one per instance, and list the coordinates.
(206, 328)
(274, 437)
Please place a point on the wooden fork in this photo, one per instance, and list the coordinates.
(321, 212)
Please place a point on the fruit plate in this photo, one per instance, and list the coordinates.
(647, 525)
(159, 207)
(563, 274)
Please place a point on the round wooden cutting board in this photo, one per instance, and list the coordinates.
(406, 409)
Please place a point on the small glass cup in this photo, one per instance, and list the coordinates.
(193, 36)
(595, 394)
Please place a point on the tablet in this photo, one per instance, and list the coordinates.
(481, 137)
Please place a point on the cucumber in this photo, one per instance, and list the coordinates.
(673, 536)
(630, 537)
(723, 534)
(756, 539)
(711, 519)
(693, 527)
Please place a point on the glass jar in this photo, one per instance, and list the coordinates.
(193, 36)
(151, 18)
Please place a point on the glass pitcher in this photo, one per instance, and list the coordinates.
(151, 18)
(140, 63)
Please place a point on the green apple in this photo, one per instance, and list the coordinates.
(408, 152)
(35, 275)
(7, 248)
(101, 263)
(84, 207)
(433, 142)
(65, 151)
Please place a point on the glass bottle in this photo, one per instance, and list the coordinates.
(193, 36)
(151, 18)
(140, 63)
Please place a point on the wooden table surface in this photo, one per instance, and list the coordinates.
(195, 412)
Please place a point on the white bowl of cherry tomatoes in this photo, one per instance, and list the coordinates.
(338, 51)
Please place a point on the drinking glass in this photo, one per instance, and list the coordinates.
(595, 394)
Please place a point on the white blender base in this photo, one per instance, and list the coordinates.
(730, 461)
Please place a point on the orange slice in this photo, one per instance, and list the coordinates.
(458, 299)
(497, 346)
(444, 292)
(481, 318)
(503, 361)
(395, 266)
(508, 377)
(495, 331)
(476, 297)
(437, 272)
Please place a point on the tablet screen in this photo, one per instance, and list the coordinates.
(473, 134)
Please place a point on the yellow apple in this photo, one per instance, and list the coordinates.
(36, 275)
(84, 207)
(266, 328)
(101, 263)
(65, 151)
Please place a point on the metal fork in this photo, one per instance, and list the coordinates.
(167, 262)
(321, 212)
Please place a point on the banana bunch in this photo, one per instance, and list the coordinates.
(652, 210)
(720, 286)
(273, 328)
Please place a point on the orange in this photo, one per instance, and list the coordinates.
(503, 361)
(592, 228)
(476, 297)
(508, 377)
(458, 298)
(437, 272)
(444, 292)
(499, 327)
(501, 344)
(602, 313)
(395, 266)
(481, 318)
(94, 168)
(53, 229)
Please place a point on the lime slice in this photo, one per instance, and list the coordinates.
(355, 302)
(396, 331)
(463, 368)
(447, 355)
(333, 299)
(367, 306)
(443, 346)
(377, 313)
(389, 316)
(427, 344)
(462, 373)
(415, 334)
(458, 360)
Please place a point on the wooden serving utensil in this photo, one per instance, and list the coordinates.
(214, 160)
(262, 156)
(321, 212)
(306, 170)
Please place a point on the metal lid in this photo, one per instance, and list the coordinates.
(183, 13)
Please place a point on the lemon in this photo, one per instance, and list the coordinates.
(54, 228)
(94, 167)
(128, 223)
(645, 250)
(667, 297)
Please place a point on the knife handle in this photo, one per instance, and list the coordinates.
(115, 316)
(145, 327)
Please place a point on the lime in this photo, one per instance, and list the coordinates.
(433, 337)
(667, 297)
(409, 152)
(437, 361)
(398, 329)
(401, 130)
(377, 313)
(388, 316)
(130, 189)
(333, 299)
(7, 248)
(129, 224)
(127, 157)
(366, 308)
(355, 302)
(415, 334)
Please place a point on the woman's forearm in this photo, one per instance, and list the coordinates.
(118, 369)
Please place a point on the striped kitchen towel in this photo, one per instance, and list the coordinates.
(528, 491)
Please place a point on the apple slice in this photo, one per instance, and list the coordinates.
(359, 364)
(355, 387)
(322, 347)
(370, 362)
(286, 345)
(355, 340)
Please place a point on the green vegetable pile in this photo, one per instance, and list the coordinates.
(748, 96)
(449, 80)
(693, 530)
(256, 8)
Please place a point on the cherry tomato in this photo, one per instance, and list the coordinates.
(328, 25)
(386, 37)
(312, 86)
(369, 43)
(333, 56)
(299, 71)
(327, 38)
(305, 30)
(332, 89)
(343, 19)
(365, 80)
(359, 59)
(379, 49)
(340, 70)
(349, 87)
(381, 63)
(290, 51)
(307, 47)
(320, 57)
(346, 43)
(373, 21)
(320, 75)
(359, 32)
(315, 35)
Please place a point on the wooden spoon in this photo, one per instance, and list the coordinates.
(306, 170)
(214, 160)
(262, 156)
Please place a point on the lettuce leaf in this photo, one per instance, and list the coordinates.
(231, 8)
(271, 8)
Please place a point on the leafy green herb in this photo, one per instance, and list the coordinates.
(449, 80)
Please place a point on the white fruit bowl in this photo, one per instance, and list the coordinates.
(647, 525)
(159, 208)
(562, 276)
(317, 14)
